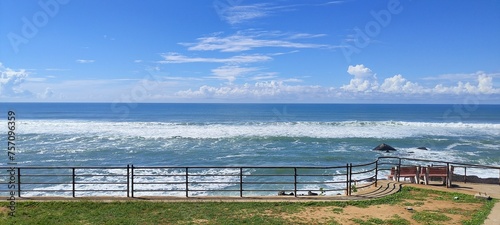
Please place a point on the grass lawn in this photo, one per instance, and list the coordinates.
(424, 205)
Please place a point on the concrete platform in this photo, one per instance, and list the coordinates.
(383, 188)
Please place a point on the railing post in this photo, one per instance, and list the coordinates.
(376, 173)
(295, 181)
(187, 182)
(348, 187)
(241, 182)
(18, 182)
(398, 169)
(465, 174)
(350, 179)
(132, 180)
(128, 180)
(73, 181)
(448, 179)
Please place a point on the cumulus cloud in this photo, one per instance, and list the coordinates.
(360, 71)
(398, 84)
(47, 94)
(10, 82)
(484, 86)
(258, 90)
(364, 79)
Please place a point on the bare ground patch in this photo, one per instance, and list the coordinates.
(456, 212)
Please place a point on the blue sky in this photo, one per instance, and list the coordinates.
(314, 51)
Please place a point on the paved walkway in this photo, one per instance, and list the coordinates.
(384, 188)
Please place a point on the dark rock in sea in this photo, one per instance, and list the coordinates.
(384, 147)
(423, 148)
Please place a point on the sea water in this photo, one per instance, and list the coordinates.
(109, 134)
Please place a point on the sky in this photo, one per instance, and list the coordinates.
(242, 51)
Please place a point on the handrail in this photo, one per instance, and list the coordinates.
(132, 181)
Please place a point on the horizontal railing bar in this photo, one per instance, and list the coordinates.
(65, 190)
(99, 190)
(89, 183)
(68, 167)
(366, 164)
(161, 182)
(292, 175)
(46, 175)
(25, 183)
(100, 175)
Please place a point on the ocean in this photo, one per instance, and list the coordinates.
(109, 134)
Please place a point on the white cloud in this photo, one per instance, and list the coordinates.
(47, 94)
(85, 60)
(243, 13)
(235, 13)
(248, 40)
(360, 71)
(173, 57)
(230, 73)
(10, 82)
(484, 86)
(265, 76)
(398, 84)
(259, 90)
(364, 79)
(459, 76)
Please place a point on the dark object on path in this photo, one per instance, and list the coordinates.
(423, 148)
(284, 193)
(311, 193)
(384, 147)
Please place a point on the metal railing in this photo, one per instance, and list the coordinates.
(136, 181)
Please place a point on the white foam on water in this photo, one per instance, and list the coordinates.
(347, 129)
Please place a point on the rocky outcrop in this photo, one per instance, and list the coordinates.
(384, 147)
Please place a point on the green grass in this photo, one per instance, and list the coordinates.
(430, 218)
(146, 212)
(396, 220)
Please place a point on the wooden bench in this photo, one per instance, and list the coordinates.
(405, 172)
(426, 173)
